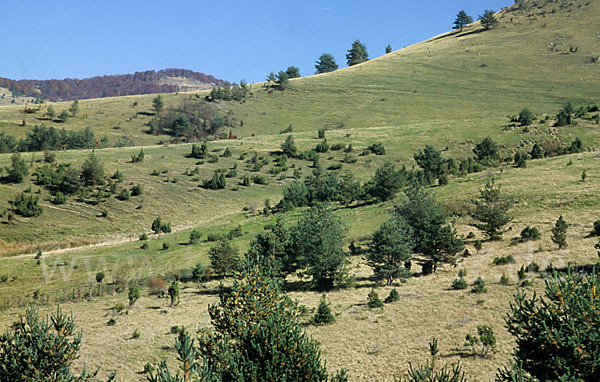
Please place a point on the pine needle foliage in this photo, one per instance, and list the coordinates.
(256, 336)
(37, 349)
(558, 335)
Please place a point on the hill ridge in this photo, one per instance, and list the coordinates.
(147, 82)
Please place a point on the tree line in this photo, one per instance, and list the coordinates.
(147, 82)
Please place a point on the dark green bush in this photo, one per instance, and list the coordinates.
(136, 190)
(195, 236)
(323, 316)
(377, 149)
(27, 205)
(259, 179)
(459, 283)
(479, 286)
(393, 296)
(322, 147)
(485, 338)
(530, 233)
(124, 195)
(557, 334)
(373, 300)
(59, 198)
(503, 260)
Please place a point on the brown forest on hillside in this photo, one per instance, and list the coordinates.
(104, 86)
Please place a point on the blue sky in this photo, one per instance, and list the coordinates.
(228, 39)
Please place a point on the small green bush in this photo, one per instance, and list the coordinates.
(596, 230)
(530, 233)
(259, 179)
(118, 176)
(503, 260)
(459, 283)
(485, 337)
(136, 190)
(134, 294)
(322, 147)
(135, 334)
(59, 198)
(111, 322)
(124, 195)
(392, 297)
(323, 316)
(214, 237)
(195, 236)
(373, 300)
(479, 286)
(377, 149)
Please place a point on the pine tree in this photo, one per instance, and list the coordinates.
(559, 232)
(325, 64)
(134, 294)
(373, 300)
(430, 160)
(357, 54)
(462, 20)
(42, 350)
(388, 49)
(488, 19)
(289, 147)
(293, 72)
(537, 152)
(525, 117)
(491, 211)
(282, 80)
(92, 170)
(195, 236)
(257, 336)
(390, 249)
(18, 169)
(74, 108)
(557, 334)
(323, 316)
(386, 182)
(158, 105)
(174, 292)
(435, 241)
(393, 296)
(317, 245)
(224, 257)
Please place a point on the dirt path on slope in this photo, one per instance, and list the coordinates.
(110, 242)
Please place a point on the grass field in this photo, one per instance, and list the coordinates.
(450, 91)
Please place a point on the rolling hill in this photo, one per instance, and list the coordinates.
(450, 91)
(162, 81)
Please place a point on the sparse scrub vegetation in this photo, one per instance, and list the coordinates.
(448, 150)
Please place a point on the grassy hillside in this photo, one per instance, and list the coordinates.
(372, 344)
(475, 78)
(450, 91)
